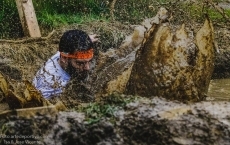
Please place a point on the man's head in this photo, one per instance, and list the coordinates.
(76, 50)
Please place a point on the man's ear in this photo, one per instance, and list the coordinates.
(63, 59)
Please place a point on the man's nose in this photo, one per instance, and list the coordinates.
(87, 66)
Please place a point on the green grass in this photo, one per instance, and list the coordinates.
(50, 14)
(198, 12)
(9, 19)
(47, 20)
(217, 16)
(54, 13)
(96, 111)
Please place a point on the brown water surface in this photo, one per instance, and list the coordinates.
(219, 89)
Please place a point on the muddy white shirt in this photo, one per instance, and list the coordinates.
(51, 78)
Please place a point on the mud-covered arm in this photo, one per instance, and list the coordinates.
(49, 85)
(46, 86)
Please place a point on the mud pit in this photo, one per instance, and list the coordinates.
(144, 121)
(22, 58)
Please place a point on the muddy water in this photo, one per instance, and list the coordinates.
(219, 89)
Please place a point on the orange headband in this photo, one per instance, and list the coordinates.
(79, 54)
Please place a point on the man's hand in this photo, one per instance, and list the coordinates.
(94, 38)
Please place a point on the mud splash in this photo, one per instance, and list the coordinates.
(172, 64)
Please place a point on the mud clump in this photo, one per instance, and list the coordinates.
(24, 130)
(72, 128)
(148, 123)
(145, 131)
(100, 133)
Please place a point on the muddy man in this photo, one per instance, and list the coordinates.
(72, 61)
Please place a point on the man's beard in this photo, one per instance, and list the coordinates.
(76, 73)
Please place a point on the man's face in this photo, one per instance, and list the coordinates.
(79, 68)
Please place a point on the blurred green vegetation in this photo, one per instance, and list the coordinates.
(50, 14)
(9, 19)
(106, 107)
(55, 13)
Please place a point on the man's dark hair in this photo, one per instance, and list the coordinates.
(73, 40)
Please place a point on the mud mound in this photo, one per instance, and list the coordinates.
(83, 134)
(142, 121)
(20, 130)
(67, 128)
(163, 122)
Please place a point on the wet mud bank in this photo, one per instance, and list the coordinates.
(146, 121)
